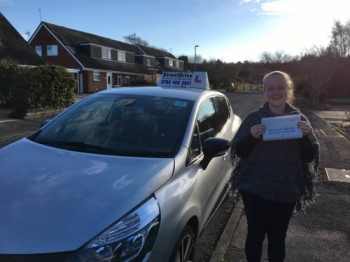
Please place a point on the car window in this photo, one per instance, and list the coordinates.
(223, 110)
(121, 124)
(81, 121)
(207, 125)
(207, 120)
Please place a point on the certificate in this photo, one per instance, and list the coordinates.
(281, 127)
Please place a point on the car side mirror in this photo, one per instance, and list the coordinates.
(213, 147)
(45, 122)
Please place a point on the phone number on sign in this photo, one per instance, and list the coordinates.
(176, 82)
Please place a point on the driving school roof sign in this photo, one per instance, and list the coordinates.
(183, 79)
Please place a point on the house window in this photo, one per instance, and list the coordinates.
(128, 80)
(106, 53)
(96, 76)
(52, 50)
(148, 62)
(171, 62)
(177, 64)
(121, 56)
(38, 50)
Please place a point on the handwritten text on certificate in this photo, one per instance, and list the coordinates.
(281, 127)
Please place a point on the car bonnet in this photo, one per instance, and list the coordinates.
(54, 200)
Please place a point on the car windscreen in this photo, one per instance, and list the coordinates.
(125, 125)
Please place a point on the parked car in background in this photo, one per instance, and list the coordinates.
(226, 84)
(128, 174)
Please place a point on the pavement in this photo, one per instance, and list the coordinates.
(321, 234)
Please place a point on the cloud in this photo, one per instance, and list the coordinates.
(292, 26)
(248, 1)
(307, 9)
(245, 1)
(302, 23)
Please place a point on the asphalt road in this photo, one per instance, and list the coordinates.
(244, 102)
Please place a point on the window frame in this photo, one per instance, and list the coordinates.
(108, 54)
(222, 122)
(121, 56)
(148, 62)
(96, 76)
(190, 157)
(39, 50)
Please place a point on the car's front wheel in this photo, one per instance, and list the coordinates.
(184, 246)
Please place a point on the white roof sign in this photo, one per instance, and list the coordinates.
(184, 79)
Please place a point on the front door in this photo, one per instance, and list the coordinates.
(109, 80)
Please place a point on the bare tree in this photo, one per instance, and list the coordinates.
(316, 68)
(340, 41)
(275, 58)
(198, 58)
(135, 40)
(266, 57)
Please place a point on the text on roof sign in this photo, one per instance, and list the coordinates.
(190, 80)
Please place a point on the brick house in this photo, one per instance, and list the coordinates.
(96, 62)
(164, 61)
(13, 46)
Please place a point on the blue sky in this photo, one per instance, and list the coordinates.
(230, 30)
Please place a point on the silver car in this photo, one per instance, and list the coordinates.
(128, 174)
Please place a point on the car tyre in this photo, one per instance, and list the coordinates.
(184, 247)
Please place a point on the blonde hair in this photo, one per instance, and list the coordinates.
(288, 80)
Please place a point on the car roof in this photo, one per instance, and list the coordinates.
(180, 93)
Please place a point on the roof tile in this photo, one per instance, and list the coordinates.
(15, 47)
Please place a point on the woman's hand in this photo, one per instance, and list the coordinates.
(257, 130)
(304, 127)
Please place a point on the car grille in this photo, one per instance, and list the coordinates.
(51, 257)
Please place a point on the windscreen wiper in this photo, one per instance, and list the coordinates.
(80, 146)
(146, 153)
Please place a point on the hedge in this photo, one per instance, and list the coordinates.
(8, 71)
(338, 101)
(29, 88)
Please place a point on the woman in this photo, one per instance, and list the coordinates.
(273, 177)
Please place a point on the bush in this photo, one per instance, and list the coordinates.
(30, 88)
(338, 101)
(301, 101)
(8, 72)
(230, 89)
(213, 82)
(56, 87)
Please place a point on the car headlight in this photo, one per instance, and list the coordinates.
(131, 237)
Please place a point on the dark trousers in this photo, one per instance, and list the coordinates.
(266, 217)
